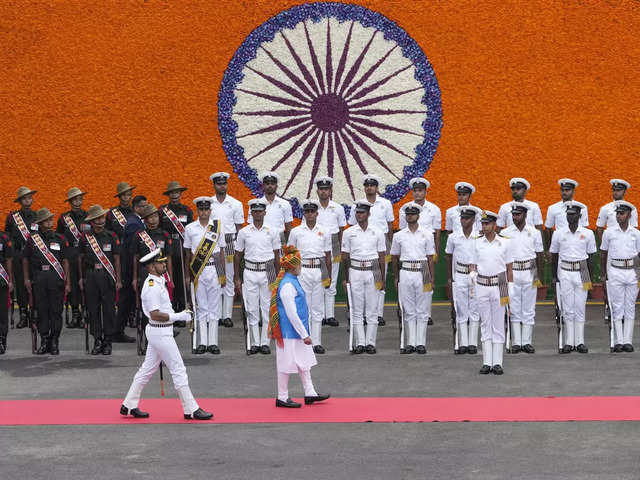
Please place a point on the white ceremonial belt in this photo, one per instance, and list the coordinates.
(160, 325)
(311, 262)
(570, 266)
(463, 268)
(362, 264)
(256, 266)
(523, 265)
(623, 263)
(485, 281)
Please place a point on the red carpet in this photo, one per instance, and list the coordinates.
(335, 410)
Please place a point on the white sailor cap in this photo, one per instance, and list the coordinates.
(567, 181)
(310, 204)
(623, 206)
(574, 206)
(324, 182)
(514, 181)
(257, 204)
(219, 177)
(370, 178)
(363, 206)
(468, 211)
(488, 216)
(152, 256)
(202, 202)
(464, 187)
(519, 207)
(619, 182)
(419, 181)
(411, 208)
(269, 175)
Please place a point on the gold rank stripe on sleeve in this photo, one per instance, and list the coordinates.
(104, 260)
(204, 251)
(119, 217)
(24, 231)
(175, 221)
(71, 225)
(51, 258)
(4, 274)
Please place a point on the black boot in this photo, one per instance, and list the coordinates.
(45, 345)
(97, 346)
(24, 319)
(106, 346)
(55, 350)
(76, 319)
(3, 345)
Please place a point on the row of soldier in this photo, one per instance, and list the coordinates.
(97, 256)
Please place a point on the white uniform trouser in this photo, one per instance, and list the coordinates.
(311, 282)
(574, 301)
(467, 315)
(305, 378)
(227, 293)
(622, 291)
(330, 293)
(365, 303)
(522, 302)
(208, 306)
(161, 347)
(257, 297)
(415, 306)
(491, 324)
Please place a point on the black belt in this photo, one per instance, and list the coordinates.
(160, 325)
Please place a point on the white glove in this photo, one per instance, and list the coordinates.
(184, 315)
(473, 274)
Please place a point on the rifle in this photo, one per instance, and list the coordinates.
(454, 322)
(84, 318)
(245, 325)
(194, 323)
(507, 321)
(32, 325)
(349, 304)
(161, 380)
(607, 317)
(559, 315)
(13, 306)
(67, 312)
(139, 331)
(400, 313)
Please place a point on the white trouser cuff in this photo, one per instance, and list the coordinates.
(421, 334)
(618, 333)
(329, 304)
(498, 349)
(380, 304)
(283, 386)
(264, 337)
(189, 404)
(473, 333)
(516, 333)
(579, 326)
(568, 333)
(307, 384)
(359, 331)
(411, 332)
(628, 331)
(463, 329)
(487, 353)
(255, 334)
(316, 333)
(527, 334)
(212, 338)
(372, 333)
(227, 306)
(133, 395)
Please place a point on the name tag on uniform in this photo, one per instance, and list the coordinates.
(106, 247)
(182, 218)
(54, 246)
(160, 243)
(34, 226)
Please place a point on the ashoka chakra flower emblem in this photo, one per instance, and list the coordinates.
(330, 89)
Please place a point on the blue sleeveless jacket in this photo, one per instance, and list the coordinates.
(301, 307)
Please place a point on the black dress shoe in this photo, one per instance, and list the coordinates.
(381, 322)
(515, 348)
(409, 349)
(254, 349)
(485, 370)
(324, 321)
(199, 414)
(200, 350)
(370, 349)
(176, 333)
(430, 321)
(45, 346)
(24, 321)
(421, 349)
(3, 345)
(315, 398)
(180, 323)
(567, 349)
(228, 323)
(472, 349)
(332, 322)
(497, 370)
(220, 322)
(617, 348)
(358, 350)
(288, 404)
(106, 347)
(53, 345)
(97, 346)
(213, 349)
(134, 412)
(122, 338)
(462, 350)
(318, 349)
(582, 348)
(265, 350)
(627, 347)
(528, 348)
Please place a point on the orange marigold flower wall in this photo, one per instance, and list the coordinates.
(96, 93)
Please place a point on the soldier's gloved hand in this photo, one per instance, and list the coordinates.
(473, 275)
(185, 316)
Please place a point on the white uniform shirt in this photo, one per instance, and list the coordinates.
(155, 296)
(452, 220)
(524, 244)
(332, 218)
(363, 244)
(230, 211)
(430, 217)
(534, 215)
(619, 244)
(312, 243)
(257, 244)
(278, 213)
(557, 217)
(461, 247)
(607, 217)
(194, 232)
(413, 245)
(573, 247)
(491, 258)
(380, 215)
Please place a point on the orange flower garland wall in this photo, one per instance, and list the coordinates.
(94, 95)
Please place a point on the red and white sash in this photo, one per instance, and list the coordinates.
(117, 214)
(104, 260)
(24, 231)
(71, 225)
(51, 258)
(175, 221)
(4, 275)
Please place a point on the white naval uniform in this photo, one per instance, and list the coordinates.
(231, 213)
(278, 213)
(607, 217)
(258, 246)
(161, 348)
(416, 304)
(534, 214)
(462, 249)
(294, 356)
(332, 219)
(525, 245)
(208, 289)
(363, 246)
(491, 258)
(452, 220)
(557, 217)
(312, 243)
(622, 282)
(572, 247)
(380, 214)
(430, 217)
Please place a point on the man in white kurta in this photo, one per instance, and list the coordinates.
(607, 215)
(464, 190)
(162, 347)
(620, 267)
(230, 212)
(314, 244)
(208, 286)
(519, 189)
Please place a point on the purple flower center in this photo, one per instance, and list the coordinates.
(329, 112)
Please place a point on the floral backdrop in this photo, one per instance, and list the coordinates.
(92, 94)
